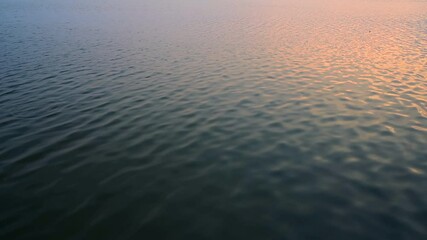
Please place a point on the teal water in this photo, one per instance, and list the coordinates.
(185, 119)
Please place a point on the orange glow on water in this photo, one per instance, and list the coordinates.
(368, 51)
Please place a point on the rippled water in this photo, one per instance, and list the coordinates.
(188, 119)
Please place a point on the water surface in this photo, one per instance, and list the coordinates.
(187, 119)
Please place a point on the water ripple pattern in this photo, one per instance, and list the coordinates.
(247, 119)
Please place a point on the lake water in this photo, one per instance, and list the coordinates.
(213, 119)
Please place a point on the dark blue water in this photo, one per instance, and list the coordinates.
(185, 119)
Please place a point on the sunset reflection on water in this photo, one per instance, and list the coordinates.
(370, 52)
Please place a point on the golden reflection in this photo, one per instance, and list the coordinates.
(373, 48)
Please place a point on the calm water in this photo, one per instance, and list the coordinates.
(213, 119)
